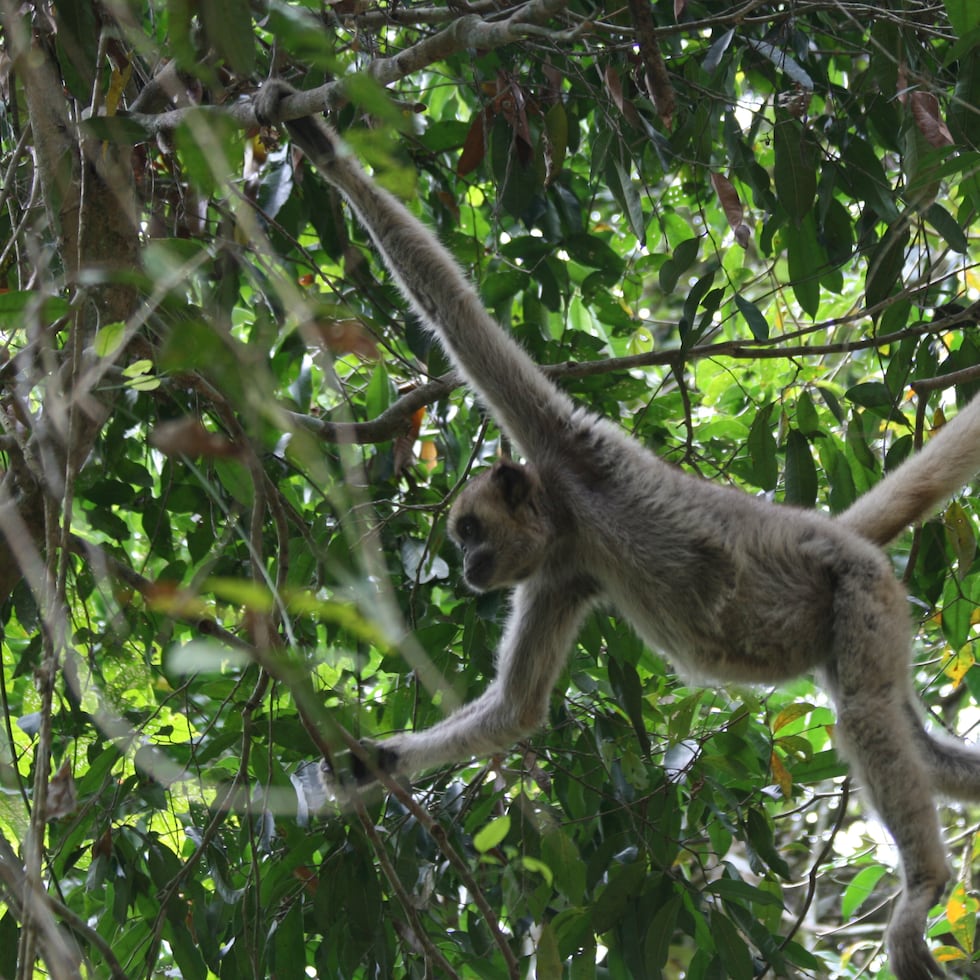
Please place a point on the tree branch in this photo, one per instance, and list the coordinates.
(396, 419)
(467, 32)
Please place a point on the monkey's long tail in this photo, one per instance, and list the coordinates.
(954, 766)
(922, 483)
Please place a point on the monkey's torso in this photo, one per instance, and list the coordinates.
(727, 585)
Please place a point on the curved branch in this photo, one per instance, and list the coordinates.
(396, 419)
(465, 33)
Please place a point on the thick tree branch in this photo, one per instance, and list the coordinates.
(396, 419)
(469, 32)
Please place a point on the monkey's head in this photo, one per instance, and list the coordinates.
(500, 526)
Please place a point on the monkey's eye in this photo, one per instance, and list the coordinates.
(468, 530)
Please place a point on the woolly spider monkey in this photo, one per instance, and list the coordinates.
(732, 587)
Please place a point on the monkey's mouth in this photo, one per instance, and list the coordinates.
(478, 571)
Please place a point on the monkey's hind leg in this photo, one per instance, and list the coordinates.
(868, 678)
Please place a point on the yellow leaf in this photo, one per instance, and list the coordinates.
(117, 85)
(781, 776)
(790, 713)
(958, 664)
(961, 914)
(961, 538)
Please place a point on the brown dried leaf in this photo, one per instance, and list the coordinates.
(732, 206)
(167, 597)
(615, 88)
(925, 112)
(679, 7)
(402, 450)
(346, 337)
(474, 146)
(429, 454)
(62, 795)
(188, 437)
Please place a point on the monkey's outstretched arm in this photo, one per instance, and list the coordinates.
(533, 651)
(529, 408)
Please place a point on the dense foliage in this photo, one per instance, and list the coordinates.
(742, 231)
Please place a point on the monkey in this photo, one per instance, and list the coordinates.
(730, 586)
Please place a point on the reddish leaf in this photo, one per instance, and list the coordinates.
(925, 112)
(732, 205)
(188, 437)
(403, 447)
(615, 88)
(62, 795)
(346, 337)
(474, 146)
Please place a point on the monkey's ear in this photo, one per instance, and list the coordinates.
(512, 481)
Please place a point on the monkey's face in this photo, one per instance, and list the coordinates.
(498, 523)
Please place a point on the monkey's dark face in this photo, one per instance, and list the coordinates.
(498, 523)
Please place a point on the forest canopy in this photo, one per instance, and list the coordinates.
(744, 232)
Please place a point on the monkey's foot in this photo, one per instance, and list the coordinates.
(908, 954)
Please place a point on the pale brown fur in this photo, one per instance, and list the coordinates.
(730, 586)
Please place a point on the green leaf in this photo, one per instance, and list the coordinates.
(9, 938)
(228, 29)
(794, 174)
(760, 837)
(561, 855)
(629, 196)
(208, 143)
(860, 889)
(862, 174)
(964, 15)
(742, 893)
(656, 947)
(109, 339)
(871, 394)
(592, 251)
(758, 324)
(116, 129)
(492, 834)
(801, 474)
(885, 266)
(946, 225)
(288, 959)
(695, 295)
(625, 883)
(806, 260)
(762, 451)
(300, 32)
(733, 951)
(556, 126)
(686, 253)
(959, 603)
(370, 95)
(629, 689)
(16, 304)
(548, 962)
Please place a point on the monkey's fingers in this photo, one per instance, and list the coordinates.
(363, 768)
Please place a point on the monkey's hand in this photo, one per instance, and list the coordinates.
(352, 770)
(320, 143)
